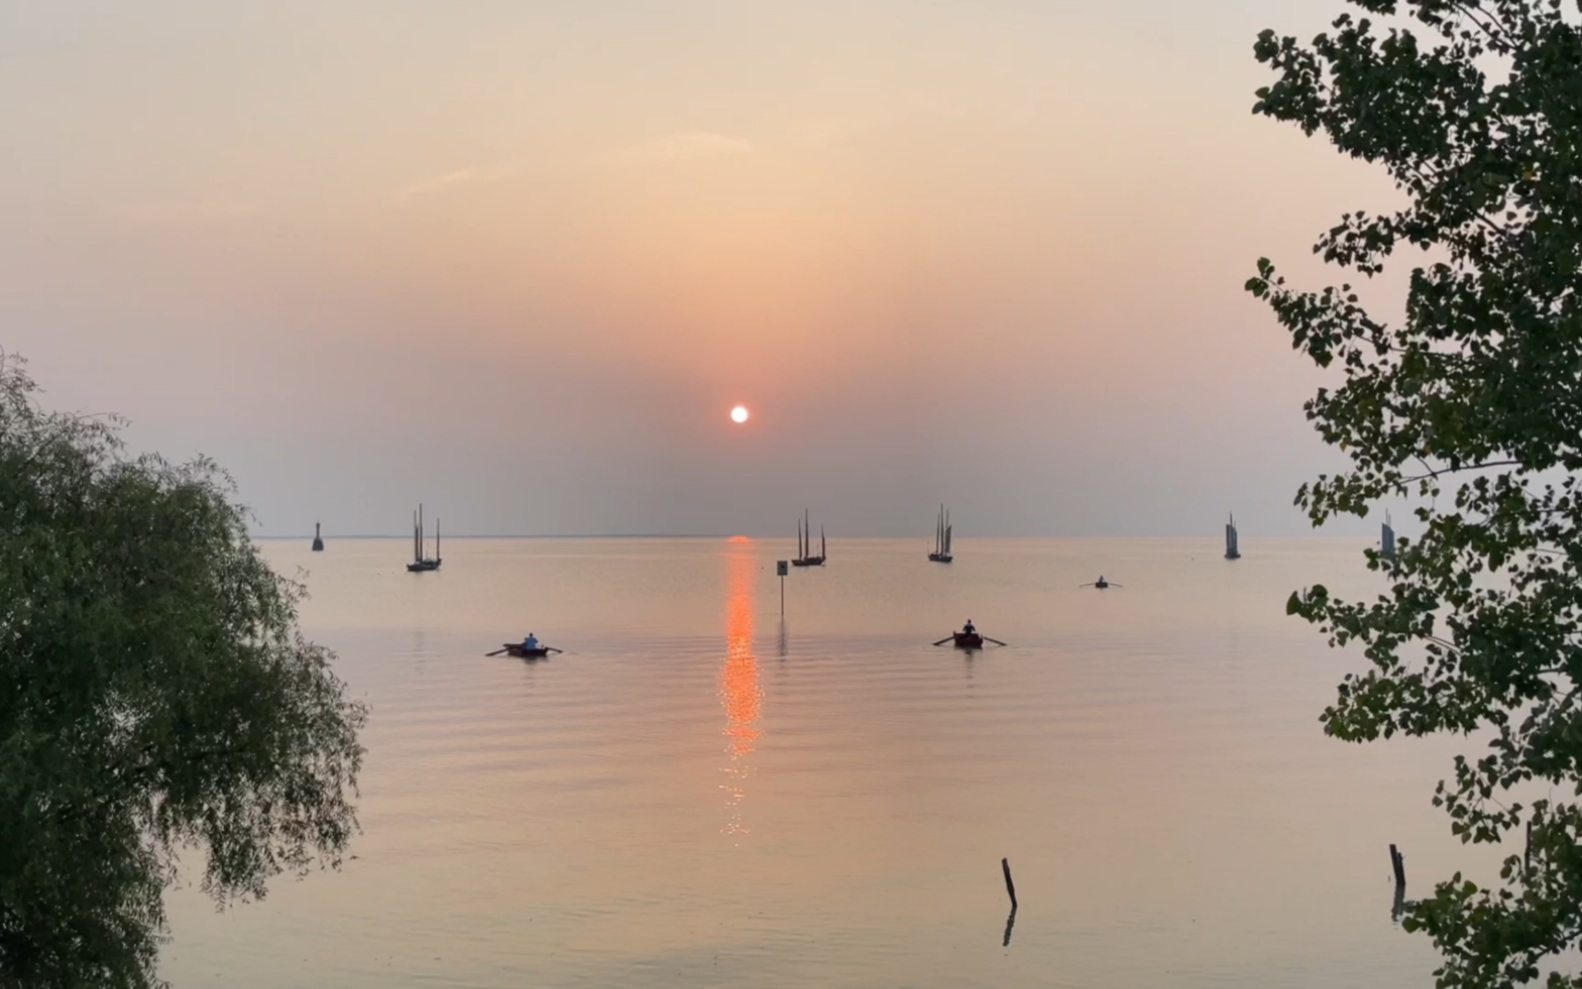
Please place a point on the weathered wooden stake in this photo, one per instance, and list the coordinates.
(1399, 862)
(1010, 887)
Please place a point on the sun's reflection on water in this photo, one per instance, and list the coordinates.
(740, 692)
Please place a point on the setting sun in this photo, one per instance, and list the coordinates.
(739, 414)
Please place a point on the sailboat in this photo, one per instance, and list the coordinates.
(941, 552)
(318, 539)
(1387, 539)
(804, 544)
(421, 563)
(1232, 544)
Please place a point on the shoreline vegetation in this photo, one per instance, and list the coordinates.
(156, 696)
(1464, 400)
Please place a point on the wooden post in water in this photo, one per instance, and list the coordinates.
(1398, 861)
(1010, 887)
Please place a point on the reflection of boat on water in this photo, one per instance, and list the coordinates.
(421, 563)
(804, 544)
(941, 552)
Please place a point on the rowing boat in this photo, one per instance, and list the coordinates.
(520, 651)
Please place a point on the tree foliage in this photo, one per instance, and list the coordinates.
(154, 694)
(1472, 402)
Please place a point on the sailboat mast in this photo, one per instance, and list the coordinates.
(436, 539)
(823, 550)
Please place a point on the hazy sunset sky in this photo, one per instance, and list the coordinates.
(519, 259)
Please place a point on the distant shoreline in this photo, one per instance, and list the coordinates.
(308, 536)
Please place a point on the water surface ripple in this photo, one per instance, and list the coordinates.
(699, 793)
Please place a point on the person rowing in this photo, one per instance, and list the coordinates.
(1102, 584)
(530, 643)
(968, 638)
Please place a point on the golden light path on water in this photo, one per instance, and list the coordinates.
(750, 808)
(740, 692)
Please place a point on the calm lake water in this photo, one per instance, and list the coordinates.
(699, 793)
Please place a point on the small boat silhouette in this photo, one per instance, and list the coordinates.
(421, 563)
(941, 552)
(804, 544)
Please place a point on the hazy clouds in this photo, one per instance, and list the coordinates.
(519, 260)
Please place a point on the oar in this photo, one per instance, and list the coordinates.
(552, 649)
(497, 652)
(945, 639)
(997, 642)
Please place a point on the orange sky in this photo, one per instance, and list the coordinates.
(987, 253)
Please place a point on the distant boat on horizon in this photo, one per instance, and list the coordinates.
(318, 540)
(941, 553)
(1387, 539)
(1232, 544)
(804, 544)
(421, 563)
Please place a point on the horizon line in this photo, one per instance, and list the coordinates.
(738, 535)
